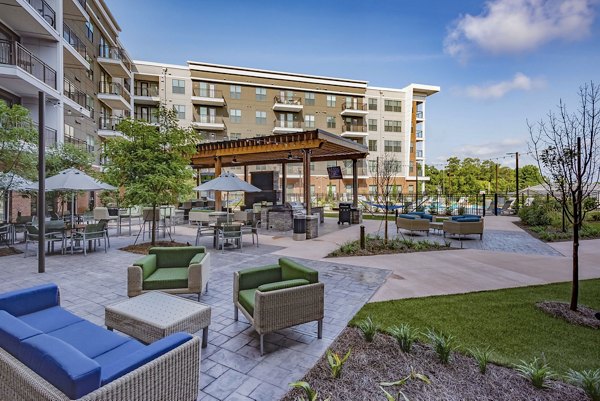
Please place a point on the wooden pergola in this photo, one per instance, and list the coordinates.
(305, 147)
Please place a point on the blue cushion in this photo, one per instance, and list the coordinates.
(125, 365)
(123, 350)
(408, 216)
(468, 220)
(13, 331)
(63, 366)
(29, 300)
(51, 319)
(416, 213)
(427, 216)
(89, 339)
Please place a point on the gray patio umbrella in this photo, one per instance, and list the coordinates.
(75, 180)
(227, 182)
(14, 182)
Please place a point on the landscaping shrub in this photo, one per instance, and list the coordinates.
(588, 380)
(405, 335)
(369, 328)
(443, 344)
(594, 216)
(538, 214)
(482, 356)
(336, 363)
(412, 375)
(537, 371)
(311, 394)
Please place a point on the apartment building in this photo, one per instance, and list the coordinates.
(70, 50)
(227, 103)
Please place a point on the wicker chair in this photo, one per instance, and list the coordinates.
(462, 228)
(278, 296)
(412, 224)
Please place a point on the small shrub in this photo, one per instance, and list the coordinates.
(537, 371)
(405, 335)
(412, 375)
(594, 216)
(482, 356)
(369, 328)
(336, 363)
(588, 380)
(443, 344)
(311, 394)
(538, 214)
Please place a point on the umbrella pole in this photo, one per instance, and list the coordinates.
(227, 207)
(72, 208)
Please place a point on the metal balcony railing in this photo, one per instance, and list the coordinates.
(71, 91)
(151, 118)
(151, 90)
(359, 106)
(83, 3)
(296, 101)
(207, 92)
(419, 153)
(76, 43)
(109, 123)
(45, 11)
(419, 114)
(288, 124)
(354, 128)
(115, 53)
(14, 53)
(419, 134)
(207, 119)
(113, 88)
(79, 143)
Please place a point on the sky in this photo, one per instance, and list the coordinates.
(499, 63)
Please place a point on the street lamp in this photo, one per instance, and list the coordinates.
(517, 177)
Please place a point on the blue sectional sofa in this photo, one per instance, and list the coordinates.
(48, 353)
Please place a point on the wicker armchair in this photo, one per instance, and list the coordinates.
(278, 296)
(412, 223)
(461, 227)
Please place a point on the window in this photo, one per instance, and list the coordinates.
(312, 169)
(309, 99)
(90, 74)
(235, 135)
(391, 126)
(372, 104)
(349, 189)
(372, 124)
(89, 31)
(261, 117)
(179, 86)
(331, 163)
(372, 164)
(411, 168)
(393, 105)
(261, 94)
(235, 91)
(330, 101)
(372, 145)
(330, 122)
(372, 189)
(180, 110)
(90, 143)
(392, 146)
(309, 121)
(411, 189)
(235, 116)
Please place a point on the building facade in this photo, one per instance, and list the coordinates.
(228, 103)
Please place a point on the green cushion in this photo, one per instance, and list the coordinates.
(167, 278)
(246, 299)
(255, 276)
(291, 270)
(148, 265)
(280, 285)
(175, 256)
(197, 258)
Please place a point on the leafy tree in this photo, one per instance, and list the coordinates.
(565, 146)
(18, 141)
(152, 163)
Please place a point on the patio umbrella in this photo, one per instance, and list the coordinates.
(75, 180)
(14, 182)
(227, 182)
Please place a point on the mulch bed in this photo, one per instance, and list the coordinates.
(584, 316)
(143, 248)
(383, 361)
(8, 251)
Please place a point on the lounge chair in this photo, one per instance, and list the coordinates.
(412, 223)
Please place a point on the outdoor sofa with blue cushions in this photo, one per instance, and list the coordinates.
(412, 222)
(48, 353)
(176, 270)
(422, 215)
(277, 296)
(464, 225)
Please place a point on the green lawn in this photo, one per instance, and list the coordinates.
(506, 320)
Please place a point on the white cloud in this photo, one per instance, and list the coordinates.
(496, 150)
(516, 26)
(497, 90)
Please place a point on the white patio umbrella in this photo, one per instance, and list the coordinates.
(14, 182)
(74, 180)
(227, 182)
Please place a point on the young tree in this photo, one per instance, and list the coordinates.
(152, 163)
(565, 146)
(18, 142)
(388, 168)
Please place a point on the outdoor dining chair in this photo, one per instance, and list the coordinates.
(55, 232)
(229, 232)
(92, 233)
(251, 229)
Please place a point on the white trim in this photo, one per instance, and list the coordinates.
(155, 64)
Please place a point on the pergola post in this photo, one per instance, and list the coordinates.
(283, 182)
(218, 205)
(307, 200)
(246, 173)
(197, 182)
(354, 183)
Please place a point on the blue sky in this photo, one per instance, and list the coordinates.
(498, 62)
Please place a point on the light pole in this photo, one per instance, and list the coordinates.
(517, 177)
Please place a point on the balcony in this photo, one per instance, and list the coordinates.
(419, 154)
(354, 109)
(79, 143)
(31, 18)
(419, 114)
(288, 103)
(107, 127)
(24, 73)
(354, 131)
(114, 61)
(76, 10)
(208, 97)
(208, 123)
(114, 95)
(76, 54)
(146, 94)
(286, 127)
(419, 135)
(152, 118)
(76, 99)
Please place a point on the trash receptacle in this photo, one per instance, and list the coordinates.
(299, 227)
(312, 226)
(345, 213)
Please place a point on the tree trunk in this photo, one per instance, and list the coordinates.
(575, 286)
(153, 225)
(386, 222)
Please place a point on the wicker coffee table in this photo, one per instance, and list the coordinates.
(154, 315)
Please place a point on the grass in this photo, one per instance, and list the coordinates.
(505, 320)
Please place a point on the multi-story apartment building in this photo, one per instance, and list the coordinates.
(227, 103)
(70, 50)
